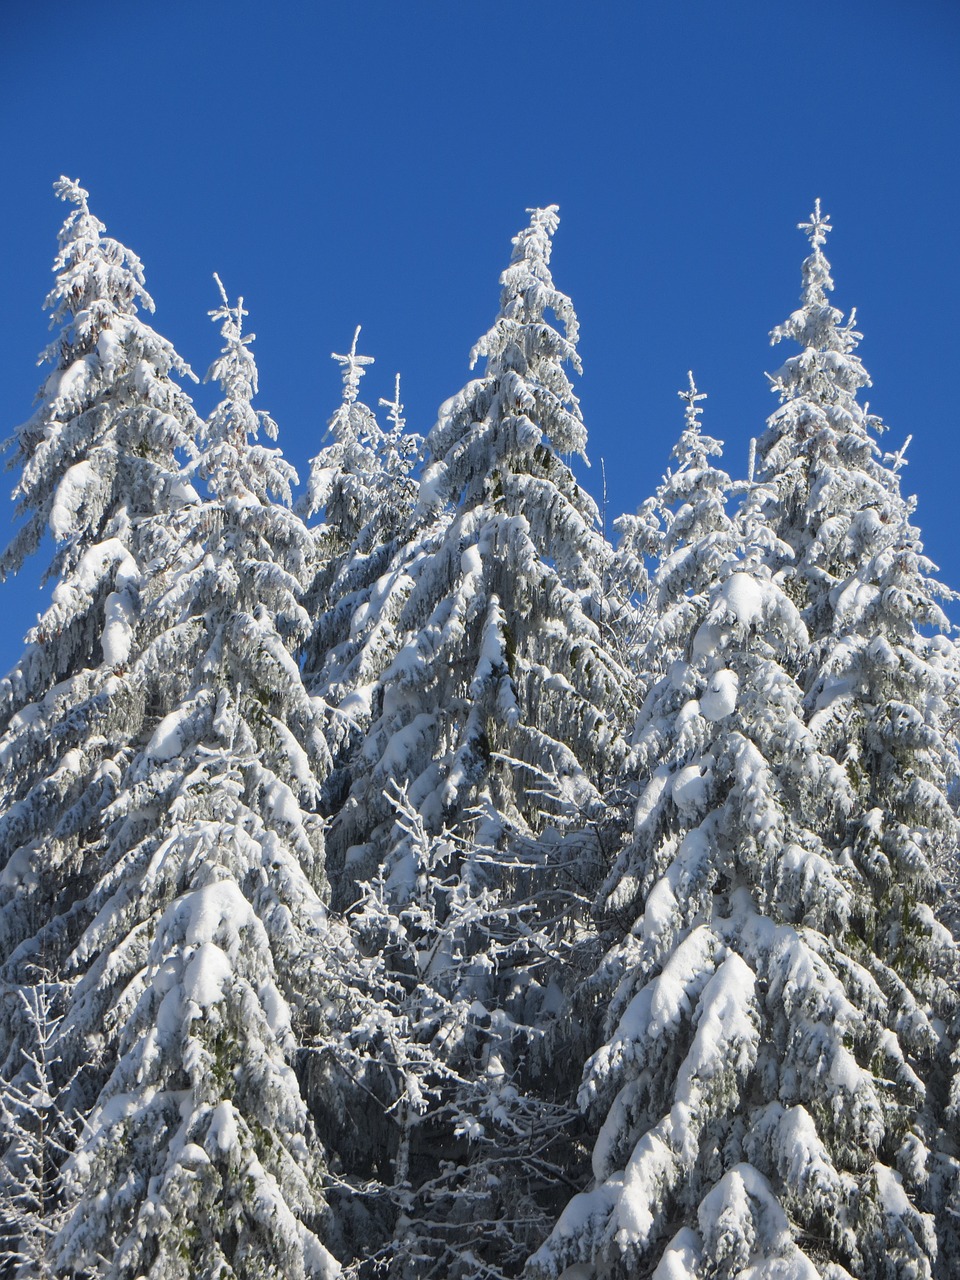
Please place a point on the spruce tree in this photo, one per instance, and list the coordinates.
(694, 538)
(882, 695)
(98, 460)
(881, 679)
(499, 722)
(363, 484)
(203, 960)
(772, 1092)
(503, 694)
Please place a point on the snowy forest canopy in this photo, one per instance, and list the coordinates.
(399, 880)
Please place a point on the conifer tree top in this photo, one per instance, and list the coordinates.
(235, 369)
(525, 397)
(352, 368)
(818, 227)
(691, 398)
(395, 406)
(527, 292)
(93, 270)
(691, 441)
(235, 343)
(817, 281)
(232, 462)
(828, 372)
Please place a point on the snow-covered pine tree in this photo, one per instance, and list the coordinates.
(718, 1009)
(97, 461)
(96, 454)
(881, 682)
(660, 537)
(364, 486)
(198, 1156)
(504, 689)
(773, 1091)
(694, 538)
(500, 720)
(883, 698)
(697, 532)
(338, 480)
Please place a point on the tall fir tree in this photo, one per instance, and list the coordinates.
(694, 537)
(774, 1080)
(881, 680)
(663, 533)
(363, 483)
(98, 460)
(499, 720)
(503, 689)
(202, 962)
(882, 697)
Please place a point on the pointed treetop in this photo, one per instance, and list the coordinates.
(817, 228)
(691, 398)
(229, 460)
(232, 317)
(97, 276)
(352, 369)
(395, 415)
(534, 242)
(817, 282)
(896, 461)
(692, 449)
(236, 369)
(528, 289)
(547, 217)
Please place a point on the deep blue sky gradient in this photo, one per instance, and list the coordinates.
(367, 163)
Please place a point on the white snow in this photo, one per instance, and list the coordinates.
(470, 562)
(727, 1038)
(662, 910)
(193, 1156)
(167, 741)
(650, 797)
(692, 965)
(802, 1159)
(743, 597)
(72, 493)
(207, 973)
(222, 1131)
(217, 904)
(687, 715)
(118, 630)
(706, 639)
(681, 1258)
(183, 494)
(282, 803)
(69, 385)
(892, 1195)
(690, 789)
(649, 1175)
(432, 484)
(110, 352)
(719, 699)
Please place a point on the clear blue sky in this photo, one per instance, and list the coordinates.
(367, 163)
